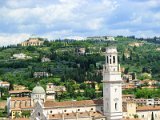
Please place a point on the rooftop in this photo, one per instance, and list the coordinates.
(50, 104)
(20, 98)
(4, 82)
(18, 91)
(73, 115)
(148, 108)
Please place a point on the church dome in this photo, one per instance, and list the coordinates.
(38, 90)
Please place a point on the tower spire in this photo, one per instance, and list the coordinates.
(112, 90)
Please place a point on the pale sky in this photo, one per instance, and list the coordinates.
(52, 19)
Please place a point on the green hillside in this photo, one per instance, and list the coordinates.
(71, 69)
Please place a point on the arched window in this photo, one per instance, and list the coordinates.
(107, 106)
(25, 103)
(15, 104)
(110, 61)
(115, 89)
(115, 106)
(107, 59)
(114, 59)
(39, 114)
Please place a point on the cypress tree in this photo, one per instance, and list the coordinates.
(152, 117)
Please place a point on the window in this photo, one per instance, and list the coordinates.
(14, 104)
(102, 109)
(110, 61)
(115, 89)
(78, 109)
(50, 111)
(107, 106)
(91, 108)
(107, 59)
(65, 110)
(39, 114)
(25, 103)
(114, 60)
(115, 106)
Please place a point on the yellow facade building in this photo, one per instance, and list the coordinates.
(32, 42)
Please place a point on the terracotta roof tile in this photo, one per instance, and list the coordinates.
(4, 82)
(131, 119)
(49, 104)
(20, 98)
(21, 119)
(3, 104)
(128, 95)
(18, 91)
(22, 108)
(73, 115)
(148, 108)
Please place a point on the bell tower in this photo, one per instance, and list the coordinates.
(112, 85)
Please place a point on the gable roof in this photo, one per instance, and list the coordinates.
(53, 104)
(148, 108)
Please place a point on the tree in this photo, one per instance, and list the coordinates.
(31, 48)
(26, 113)
(2, 89)
(135, 116)
(152, 117)
(126, 70)
(89, 93)
(123, 57)
(3, 92)
(17, 115)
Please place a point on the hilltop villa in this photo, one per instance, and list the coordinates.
(32, 42)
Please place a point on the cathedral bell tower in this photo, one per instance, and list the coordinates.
(112, 85)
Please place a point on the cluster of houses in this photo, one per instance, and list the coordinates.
(21, 56)
(130, 82)
(25, 100)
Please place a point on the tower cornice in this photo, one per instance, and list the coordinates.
(114, 82)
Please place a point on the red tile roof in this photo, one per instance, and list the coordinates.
(18, 91)
(73, 115)
(21, 119)
(148, 108)
(49, 104)
(20, 98)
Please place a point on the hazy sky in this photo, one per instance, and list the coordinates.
(19, 19)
